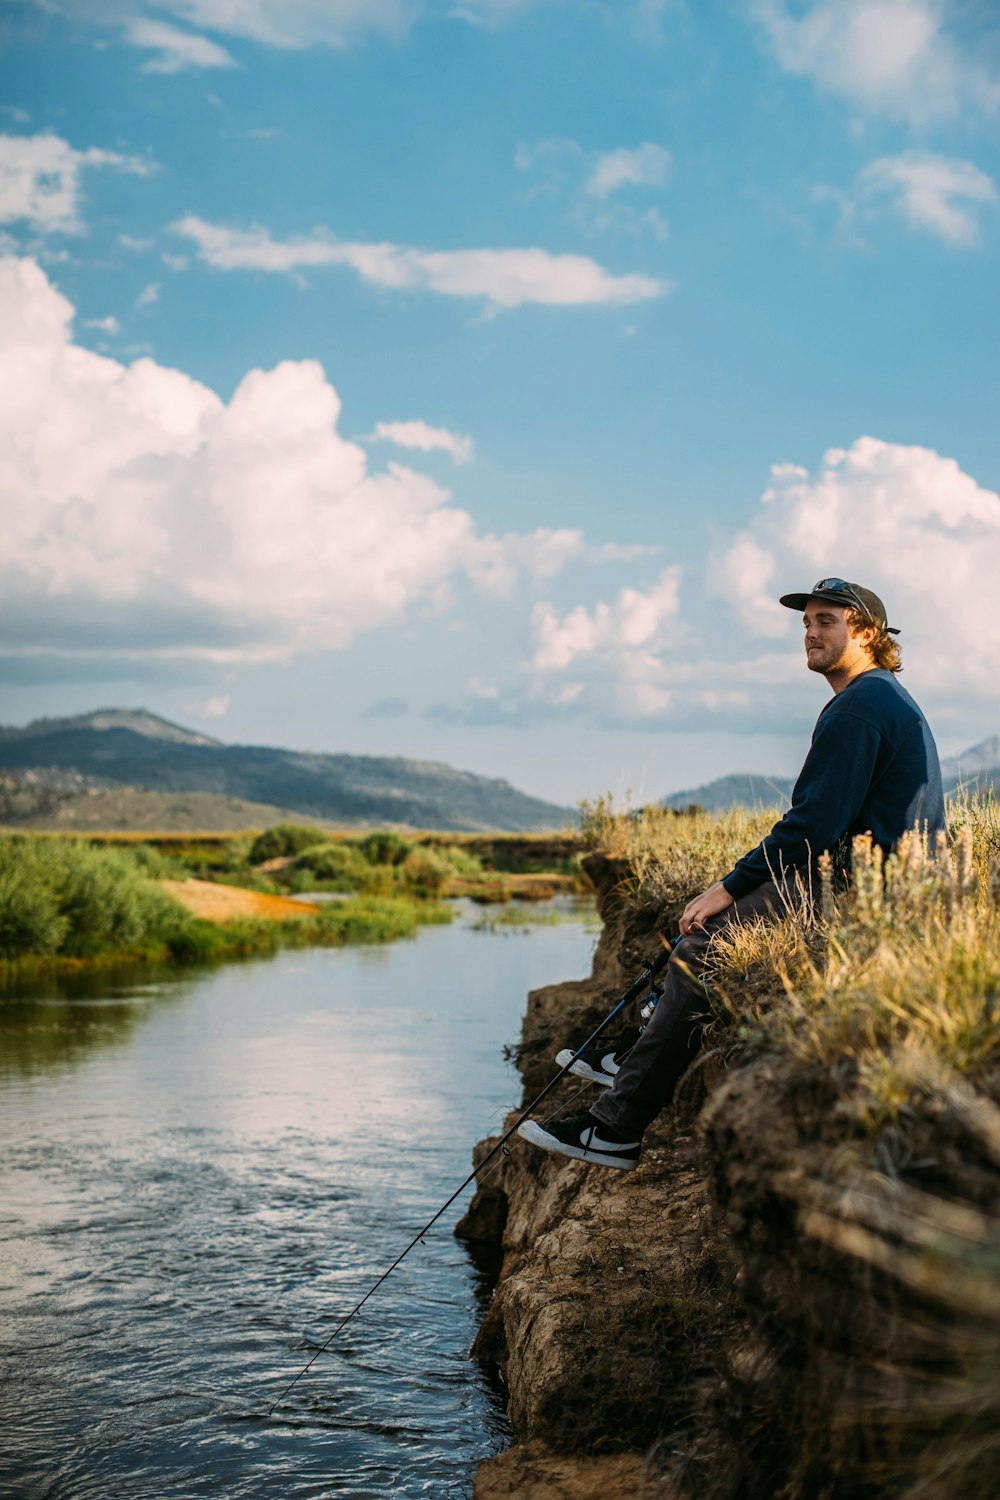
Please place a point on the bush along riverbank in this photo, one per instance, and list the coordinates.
(797, 1293)
(67, 904)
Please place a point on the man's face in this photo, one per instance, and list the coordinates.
(831, 645)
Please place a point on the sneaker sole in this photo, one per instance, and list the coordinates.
(533, 1132)
(583, 1069)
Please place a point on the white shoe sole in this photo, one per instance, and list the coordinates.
(539, 1136)
(583, 1069)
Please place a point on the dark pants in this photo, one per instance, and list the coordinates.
(649, 1075)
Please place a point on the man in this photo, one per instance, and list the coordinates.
(872, 768)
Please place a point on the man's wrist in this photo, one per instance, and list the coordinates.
(735, 884)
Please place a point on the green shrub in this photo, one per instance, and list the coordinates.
(383, 847)
(461, 863)
(60, 896)
(426, 869)
(283, 841)
(340, 866)
(30, 919)
(367, 921)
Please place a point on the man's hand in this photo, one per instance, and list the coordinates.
(708, 904)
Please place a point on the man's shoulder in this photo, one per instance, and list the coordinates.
(875, 695)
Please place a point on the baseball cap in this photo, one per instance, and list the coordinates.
(848, 595)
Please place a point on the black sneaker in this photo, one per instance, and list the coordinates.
(584, 1139)
(601, 1062)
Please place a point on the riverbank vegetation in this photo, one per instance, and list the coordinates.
(66, 901)
(895, 979)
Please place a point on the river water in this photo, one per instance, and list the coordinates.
(200, 1176)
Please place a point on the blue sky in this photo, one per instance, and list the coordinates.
(465, 381)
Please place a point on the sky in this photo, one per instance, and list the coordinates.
(465, 379)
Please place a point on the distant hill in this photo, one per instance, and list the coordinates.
(977, 769)
(137, 749)
(735, 791)
(979, 765)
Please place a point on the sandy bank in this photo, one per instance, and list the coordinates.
(226, 903)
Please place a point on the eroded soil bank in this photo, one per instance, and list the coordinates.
(776, 1303)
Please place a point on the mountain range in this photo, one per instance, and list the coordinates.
(976, 769)
(119, 748)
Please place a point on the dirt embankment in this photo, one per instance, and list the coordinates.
(773, 1306)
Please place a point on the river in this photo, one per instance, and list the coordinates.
(201, 1174)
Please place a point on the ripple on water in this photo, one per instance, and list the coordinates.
(198, 1186)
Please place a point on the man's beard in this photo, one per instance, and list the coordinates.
(821, 660)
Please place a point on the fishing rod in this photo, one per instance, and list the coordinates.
(646, 976)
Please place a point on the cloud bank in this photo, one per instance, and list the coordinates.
(143, 514)
(903, 520)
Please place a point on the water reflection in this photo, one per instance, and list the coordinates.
(55, 1021)
(200, 1178)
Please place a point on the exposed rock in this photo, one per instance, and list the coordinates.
(771, 1307)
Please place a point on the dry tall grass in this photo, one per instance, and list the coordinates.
(898, 977)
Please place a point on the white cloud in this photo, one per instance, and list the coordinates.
(615, 651)
(594, 181)
(641, 166)
(110, 324)
(134, 243)
(40, 179)
(426, 439)
(505, 278)
(148, 295)
(175, 49)
(297, 23)
(937, 193)
(621, 552)
(895, 57)
(498, 562)
(142, 514)
(905, 521)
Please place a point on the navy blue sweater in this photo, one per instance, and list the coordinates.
(872, 768)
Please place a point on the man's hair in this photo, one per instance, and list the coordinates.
(883, 647)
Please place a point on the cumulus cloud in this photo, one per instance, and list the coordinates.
(504, 278)
(901, 58)
(40, 180)
(903, 520)
(143, 514)
(425, 439)
(175, 50)
(939, 194)
(613, 654)
(647, 165)
(499, 561)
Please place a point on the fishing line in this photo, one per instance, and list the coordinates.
(648, 973)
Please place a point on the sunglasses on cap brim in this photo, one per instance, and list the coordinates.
(846, 591)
